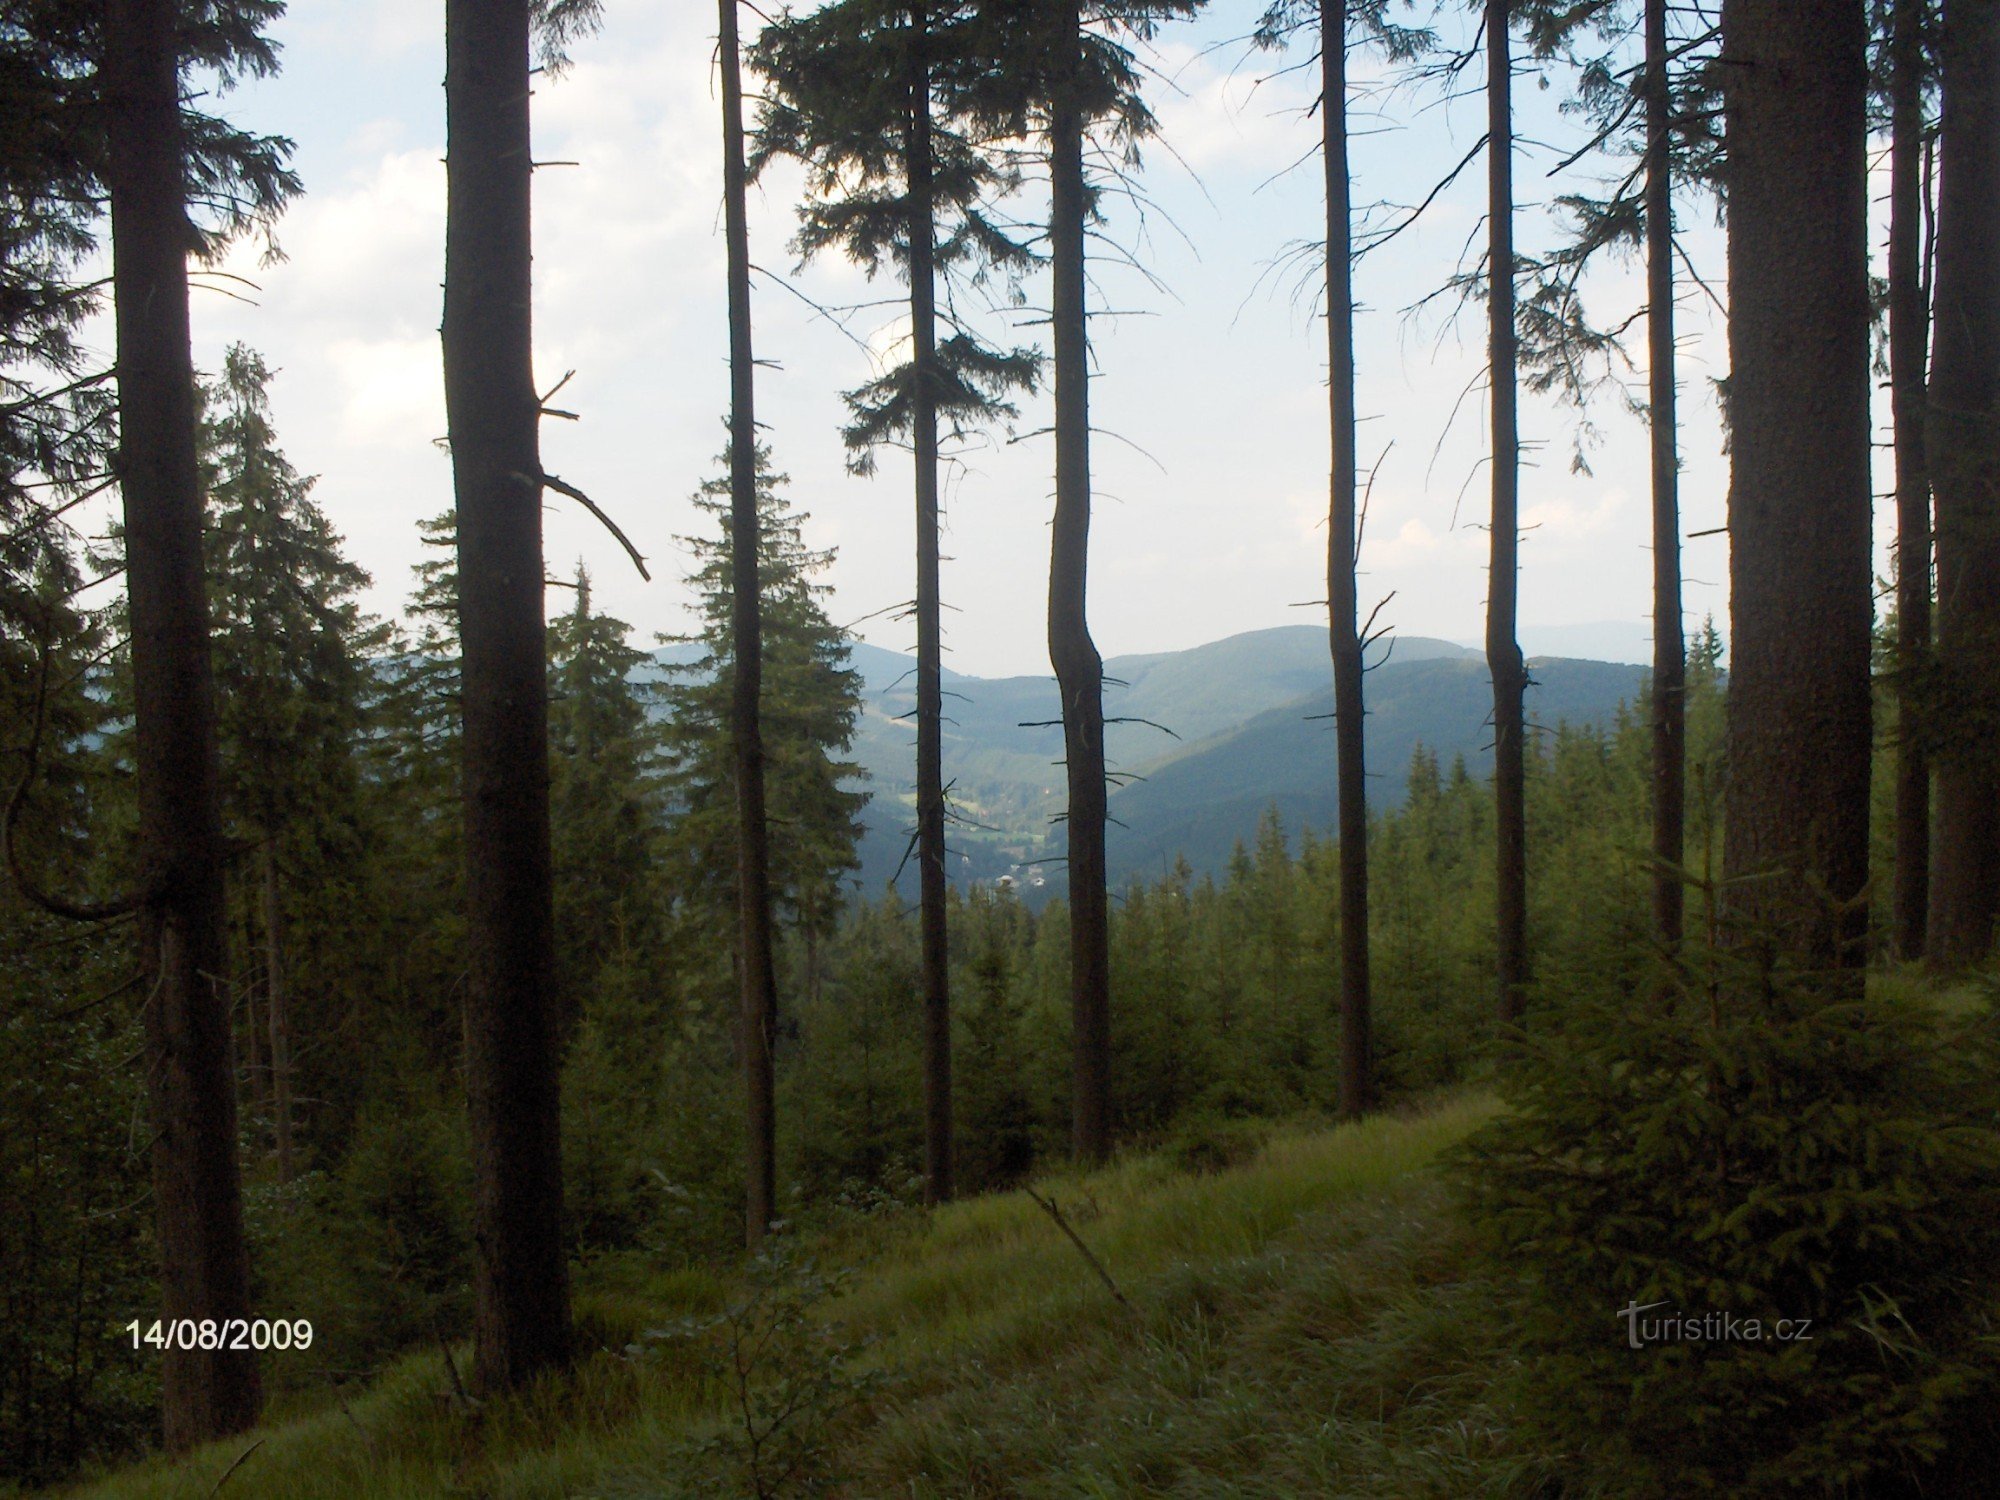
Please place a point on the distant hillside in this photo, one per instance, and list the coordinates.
(1199, 802)
(1249, 715)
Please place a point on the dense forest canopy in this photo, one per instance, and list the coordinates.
(446, 1028)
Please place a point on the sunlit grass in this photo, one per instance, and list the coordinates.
(1294, 1327)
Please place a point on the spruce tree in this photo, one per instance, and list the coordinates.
(1659, 111)
(1963, 453)
(1074, 60)
(602, 808)
(876, 99)
(1503, 570)
(1908, 74)
(98, 109)
(512, 1068)
(292, 676)
(809, 702)
(1799, 735)
(755, 974)
(190, 1064)
(1333, 24)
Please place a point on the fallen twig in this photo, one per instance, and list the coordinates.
(234, 1467)
(1048, 1206)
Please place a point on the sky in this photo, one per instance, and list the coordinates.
(1209, 391)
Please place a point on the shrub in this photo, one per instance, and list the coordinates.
(1729, 1143)
(792, 1377)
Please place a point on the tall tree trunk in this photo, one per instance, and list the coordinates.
(521, 1282)
(1909, 338)
(1796, 807)
(1079, 669)
(190, 1052)
(274, 1011)
(935, 976)
(1669, 642)
(1503, 650)
(1964, 452)
(246, 965)
(759, 1000)
(1342, 585)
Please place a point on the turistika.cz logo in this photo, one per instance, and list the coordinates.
(1706, 1328)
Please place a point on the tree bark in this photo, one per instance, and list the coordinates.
(275, 1017)
(759, 999)
(935, 977)
(1669, 641)
(190, 1052)
(521, 1322)
(1503, 650)
(1909, 338)
(1078, 667)
(246, 966)
(1798, 737)
(1964, 456)
(1342, 560)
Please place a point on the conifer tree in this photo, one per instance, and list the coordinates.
(1661, 111)
(1908, 73)
(190, 1064)
(424, 686)
(1669, 704)
(1503, 650)
(810, 699)
(1334, 23)
(1963, 453)
(1066, 73)
(291, 651)
(94, 113)
(755, 973)
(1799, 709)
(875, 98)
(512, 1068)
(602, 814)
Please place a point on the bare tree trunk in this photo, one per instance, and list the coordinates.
(274, 1013)
(1669, 642)
(753, 850)
(190, 1051)
(246, 968)
(935, 975)
(1796, 806)
(521, 1282)
(1079, 669)
(1964, 453)
(1909, 338)
(1503, 650)
(1342, 585)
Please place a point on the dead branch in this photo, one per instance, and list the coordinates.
(562, 487)
(1048, 1206)
(226, 1473)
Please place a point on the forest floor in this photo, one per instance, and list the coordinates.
(1293, 1315)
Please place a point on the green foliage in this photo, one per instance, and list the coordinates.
(1321, 1277)
(837, 99)
(289, 642)
(75, 1254)
(394, 1228)
(792, 1374)
(809, 703)
(296, 697)
(602, 804)
(850, 1090)
(1720, 1141)
(75, 1258)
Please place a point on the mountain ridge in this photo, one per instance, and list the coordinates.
(1210, 737)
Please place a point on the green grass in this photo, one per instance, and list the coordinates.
(1299, 1324)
